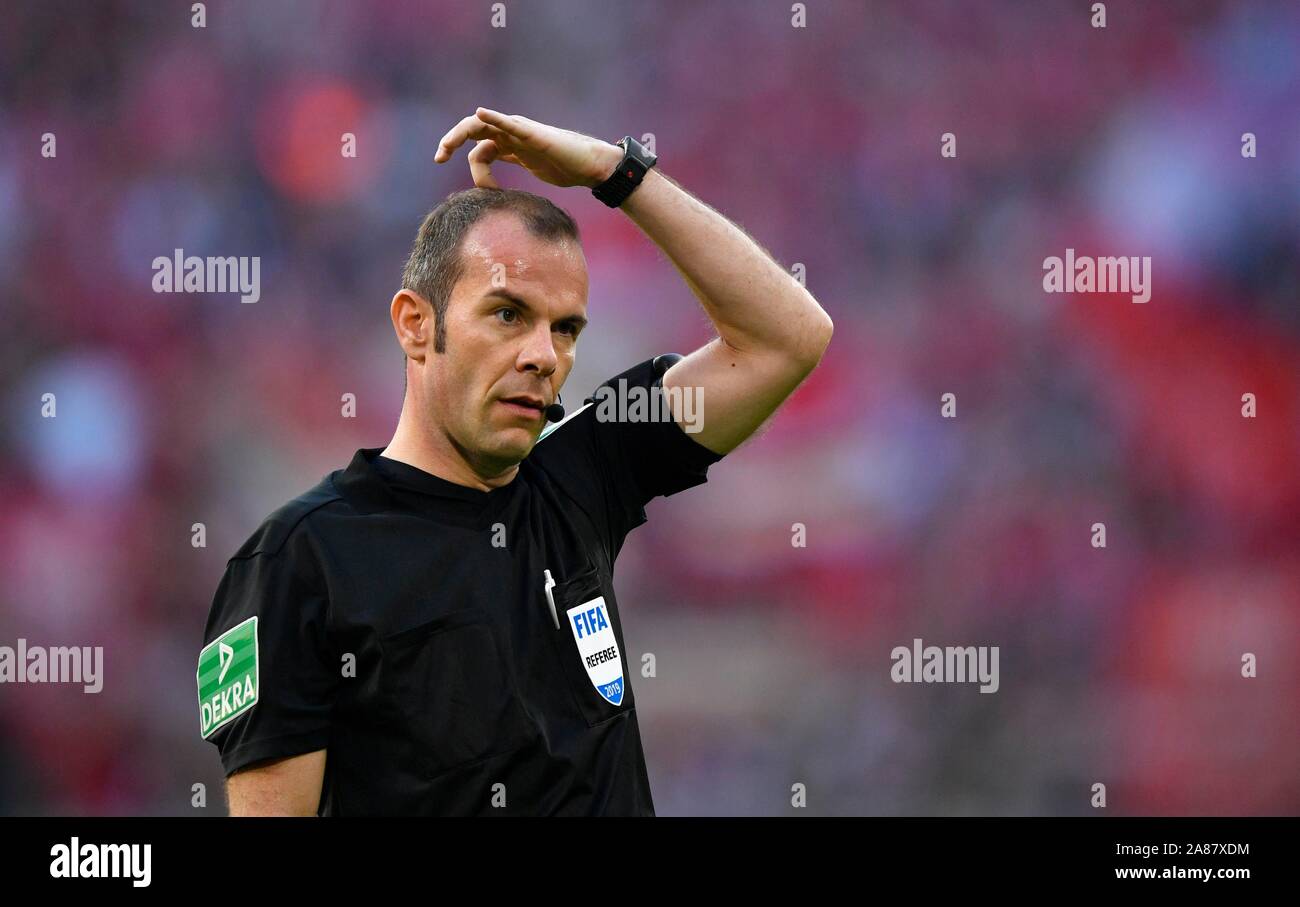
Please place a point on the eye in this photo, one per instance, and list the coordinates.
(513, 320)
(569, 328)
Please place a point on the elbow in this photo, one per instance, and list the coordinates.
(827, 329)
(818, 338)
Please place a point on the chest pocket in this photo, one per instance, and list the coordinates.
(450, 692)
(589, 645)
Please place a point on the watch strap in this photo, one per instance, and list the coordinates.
(627, 175)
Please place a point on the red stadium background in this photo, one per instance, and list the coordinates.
(1120, 665)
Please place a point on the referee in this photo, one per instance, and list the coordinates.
(434, 630)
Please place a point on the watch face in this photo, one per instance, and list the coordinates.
(639, 152)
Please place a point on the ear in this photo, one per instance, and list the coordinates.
(412, 316)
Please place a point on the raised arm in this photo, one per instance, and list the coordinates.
(771, 331)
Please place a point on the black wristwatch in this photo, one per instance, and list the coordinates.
(636, 162)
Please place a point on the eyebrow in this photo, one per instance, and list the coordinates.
(579, 321)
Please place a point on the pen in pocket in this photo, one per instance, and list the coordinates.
(550, 599)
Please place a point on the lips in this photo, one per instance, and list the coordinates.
(522, 401)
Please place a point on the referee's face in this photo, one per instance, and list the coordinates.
(512, 327)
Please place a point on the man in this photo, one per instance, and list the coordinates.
(434, 629)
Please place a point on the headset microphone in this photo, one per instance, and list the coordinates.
(555, 412)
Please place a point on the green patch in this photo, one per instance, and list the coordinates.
(227, 676)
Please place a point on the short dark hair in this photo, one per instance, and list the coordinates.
(435, 264)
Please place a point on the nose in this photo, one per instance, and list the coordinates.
(538, 352)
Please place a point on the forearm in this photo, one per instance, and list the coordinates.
(754, 304)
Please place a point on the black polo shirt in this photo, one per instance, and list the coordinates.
(401, 622)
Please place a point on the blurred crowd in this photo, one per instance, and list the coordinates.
(1120, 665)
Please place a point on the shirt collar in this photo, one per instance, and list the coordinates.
(370, 483)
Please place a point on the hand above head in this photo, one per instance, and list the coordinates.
(557, 156)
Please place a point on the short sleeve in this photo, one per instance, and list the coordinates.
(266, 675)
(651, 457)
(629, 460)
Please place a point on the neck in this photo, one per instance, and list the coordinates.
(420, 443)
